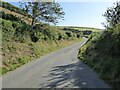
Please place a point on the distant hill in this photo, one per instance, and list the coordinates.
(80, 28)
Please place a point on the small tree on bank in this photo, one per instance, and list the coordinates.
(49, 12)
(112, 15)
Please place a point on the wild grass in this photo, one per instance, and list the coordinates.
(22, 17)
(17, 54)
(21, 44)
(102, 53)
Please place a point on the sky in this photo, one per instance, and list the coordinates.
(83, 14)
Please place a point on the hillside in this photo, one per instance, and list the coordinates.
(87, 28)
(12, 8)
(80, 28)
(21, 45)
(102, 53)
(26, 19)
(22, 42)
(80, 31)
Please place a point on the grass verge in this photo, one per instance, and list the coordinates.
(17, 54)
(102, 54)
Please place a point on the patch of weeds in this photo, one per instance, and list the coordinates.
(0, 70)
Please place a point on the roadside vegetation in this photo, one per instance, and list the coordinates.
(102, 50)
(12, 8)
(22, 42)
(80, 31)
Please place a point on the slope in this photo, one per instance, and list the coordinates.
(102, 53)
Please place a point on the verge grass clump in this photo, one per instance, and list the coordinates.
(23, 43)
(101, 52)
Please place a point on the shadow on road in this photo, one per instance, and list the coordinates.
(65, 76)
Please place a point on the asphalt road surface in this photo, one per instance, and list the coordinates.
(59, 69)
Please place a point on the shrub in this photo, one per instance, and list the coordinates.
(102, 53)
(6, 25)
(49, 33)
(69, 34)
(10, 17)
(15, 9)
(16, 24)
(22, 33)
(7, 30)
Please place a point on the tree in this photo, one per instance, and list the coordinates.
(113, 15)
(49, 12)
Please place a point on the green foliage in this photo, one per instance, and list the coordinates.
(10, 17)
(18, 42)
(14, 8)
(102, 53)
(0, 70)
(7, 30)
(79, 31)
(22, 43)
(13, 64)
(22, 33)
(69, 34)
(16, 24)
(43, 11)
(62, 35)
(15, 31)
(0, 37)
(23, 59)
(16, 54)
(46, 32)
(113, 15)
(7, 25)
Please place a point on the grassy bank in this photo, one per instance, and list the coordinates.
(102, 53)
(21, 43)
(17, 54)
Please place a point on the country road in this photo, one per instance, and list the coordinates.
(59, 69)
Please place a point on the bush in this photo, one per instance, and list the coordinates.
(15, 9)
(19, 32)
(69, 34)
(102, 53)
(16, 24)
(10, 17)
(7, 30)
(46, 32)
(112, 15)
(6, 25)
(22, 33)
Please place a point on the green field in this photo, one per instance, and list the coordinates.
(81, 28)
(87, 28)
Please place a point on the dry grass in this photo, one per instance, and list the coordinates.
(17, 54)
(22, 17)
